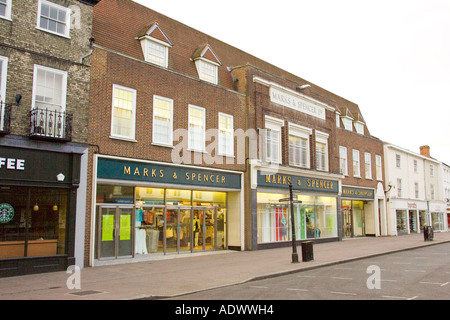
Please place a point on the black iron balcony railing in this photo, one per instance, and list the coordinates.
(5, 118)
(48, 124)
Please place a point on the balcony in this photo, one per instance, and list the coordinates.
(46, 123)
(5, 118)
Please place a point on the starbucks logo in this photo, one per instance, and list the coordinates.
(6, 213)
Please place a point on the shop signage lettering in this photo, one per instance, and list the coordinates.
(412, 205)
(348, 192)
(298, 182)
(12, 164)
(138, 171)
(296, 103)
(6, 213)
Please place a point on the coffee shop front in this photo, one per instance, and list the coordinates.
(150, 209)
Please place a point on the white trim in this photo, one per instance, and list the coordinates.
(145, 41)
(170, 138)
(63, 85)
(223, 152)
(199, 66)
(274, 124)
(133, 120)
(203, 110)
(7, 15)
(3, 76)
(57, 6)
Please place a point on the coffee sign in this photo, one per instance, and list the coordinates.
(6, 213)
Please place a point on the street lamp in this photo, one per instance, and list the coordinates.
(294, 240)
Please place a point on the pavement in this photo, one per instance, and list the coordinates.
(180, 274)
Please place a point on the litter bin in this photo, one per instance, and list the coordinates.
(428, 233)
(307, 251)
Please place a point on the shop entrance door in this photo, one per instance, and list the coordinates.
(347, 222)
(177, 226)
(114, 232)
(204, 229)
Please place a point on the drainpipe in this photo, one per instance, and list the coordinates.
(91, 50)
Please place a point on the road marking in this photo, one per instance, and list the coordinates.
(444, 284)
(435, 283)
(402, 263)
(340, 278)
(292, 289)
(259, 287)
(344, 293)
(388, 280)
(343, 268)
(404, 298)
(415, 271)
(306, 276)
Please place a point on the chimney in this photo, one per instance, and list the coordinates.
(425, 151)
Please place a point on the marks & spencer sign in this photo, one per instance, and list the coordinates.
(158, 173)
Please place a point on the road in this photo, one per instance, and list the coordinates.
(419, 274)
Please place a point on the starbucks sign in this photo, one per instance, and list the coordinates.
(6, 213)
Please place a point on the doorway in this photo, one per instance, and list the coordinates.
(114, 232)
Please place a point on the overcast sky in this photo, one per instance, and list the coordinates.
(392, 58)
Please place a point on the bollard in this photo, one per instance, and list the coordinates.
(428, 233)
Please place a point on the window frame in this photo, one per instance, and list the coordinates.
(59, 7)
(170, 129)
(343, 150)
(201, 63)
(63, 85)
(7, 15)
(275, 125)
(203, 133)
(146, 41)
(322, 138)
(230, 131)
(133, 117)
(368, 165)
(356, 160)
(3, 78)
(379, 167)
(303, 133)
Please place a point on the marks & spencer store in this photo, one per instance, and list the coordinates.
(315, 213)
(148, 209)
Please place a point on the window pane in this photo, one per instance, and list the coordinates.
(122, 112)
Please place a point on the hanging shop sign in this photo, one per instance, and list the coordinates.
(6, 213)
(298, 182)
(359, 193)
(158, 173)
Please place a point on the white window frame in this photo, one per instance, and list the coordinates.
(146, 42)
(304, 134)
(399, 187)
(359, 127)
(3, 75)
(368, 165)
(431, 170)
(169, 142)
(416, 190)
(356, 163)
(322, 138)
(203, 129)
(415, 166)
(201, 65)
(229, 132)
(7, 15)
(398, 160)
(379, 167)
(131, 137)
(343, 160)
(66, 34)
(63, 85)
(275, 125)
(348, 123)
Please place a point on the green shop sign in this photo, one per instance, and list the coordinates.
(358, 193)
(6, 213)
(157, 173)
(298, 182)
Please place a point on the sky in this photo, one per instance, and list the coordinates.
(392, 58)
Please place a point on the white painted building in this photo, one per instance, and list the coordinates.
(445, 171)
(414, 196)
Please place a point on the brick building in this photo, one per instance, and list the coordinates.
(194, 142)
(44, 85)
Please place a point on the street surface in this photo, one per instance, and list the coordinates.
(419, 274)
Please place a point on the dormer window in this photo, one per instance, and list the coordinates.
(347, 119)
(155, 45)
(207, 64)
(359, 126)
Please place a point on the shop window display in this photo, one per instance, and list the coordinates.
(315, 217)
(32, 222)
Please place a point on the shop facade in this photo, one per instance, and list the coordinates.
(357, 206)
(39, 190)
(409, 216)
(316, 214)
(144, 209)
